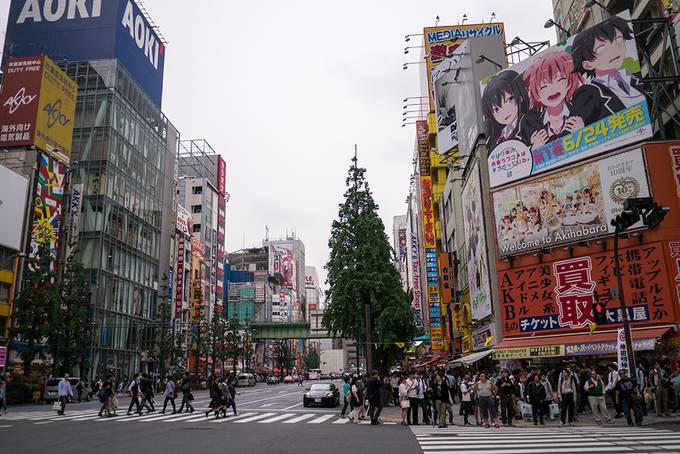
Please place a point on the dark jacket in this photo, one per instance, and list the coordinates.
(535, 392)
(506, 387)
(373, 385)
(595, 101)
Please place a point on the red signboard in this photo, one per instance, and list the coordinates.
(179, 295)
(558, 296)
(19, 101)
(221, 176)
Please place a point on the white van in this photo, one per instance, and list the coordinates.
(245, 379)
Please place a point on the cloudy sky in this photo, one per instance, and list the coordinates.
(284, 89)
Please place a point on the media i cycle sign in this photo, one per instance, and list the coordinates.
(89, 30)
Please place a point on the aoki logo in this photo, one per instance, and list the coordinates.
(19, 99)
(54, 114)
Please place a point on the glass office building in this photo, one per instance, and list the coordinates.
(124, 155)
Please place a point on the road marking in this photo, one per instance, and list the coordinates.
(231, 418)
(161, 418)
(268, 405)
(6, 426)
(88, 418)
(276, 418)
(254, 418)
(292, 406)
(300, 418)
(320, 419)
(182, 418)
(268, 398)
(43, 422)
(341, 421)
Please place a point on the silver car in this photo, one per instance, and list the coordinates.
(246, 379)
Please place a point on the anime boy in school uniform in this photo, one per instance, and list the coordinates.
(598, 54)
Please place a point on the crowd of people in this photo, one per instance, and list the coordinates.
(500, 396)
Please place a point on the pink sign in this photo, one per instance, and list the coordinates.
(3, 356)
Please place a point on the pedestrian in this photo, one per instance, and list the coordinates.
(187, 397)
(170, 395)
(629, 395)
(373, 385)
(394, 384)
(231, 386)
(486, 393)
(535, 396)
(612, 380)
(420, 397)
(65, 393)
(146, 390)
(566, 394)
(412, 393)
(594, 386)
(3, 396)
(361, 385)
(640, 376)
(660, 382)
(403, 401)
(466, 399)
(356, 401)
(442, 397)
(215, 395)
(224, 397)
(545, 381)
(133, 388)
(104, 395)
(300, 380)
(346, 395)
(506, 390)
(79, 389)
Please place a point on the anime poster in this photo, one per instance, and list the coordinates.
(575, 204)
(475, 242)
(47, 205)
(445, 78)
(574, 100)
(286, 261)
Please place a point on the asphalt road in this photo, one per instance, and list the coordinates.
(271, 420)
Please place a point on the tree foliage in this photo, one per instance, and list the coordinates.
(284, 359)
(233, 341)
(312, 359)
(361, 273)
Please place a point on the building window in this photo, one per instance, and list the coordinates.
(197, 228)
(197, 190)
(196, 208)
(4, 293)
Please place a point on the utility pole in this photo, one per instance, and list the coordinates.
(622, 304)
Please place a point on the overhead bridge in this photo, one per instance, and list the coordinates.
(286, 330)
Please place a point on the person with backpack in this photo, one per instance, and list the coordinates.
(170, 395)
(133, 388)
(660, 382)
(566, 393)
(187, 396)
(104, 396)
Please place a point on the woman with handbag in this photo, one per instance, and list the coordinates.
(403, 400)
(187, 396)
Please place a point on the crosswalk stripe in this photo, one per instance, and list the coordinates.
(300, 418)
(231, 418)
(160, 417)
(276, 418)
(254, 418)
(86, 418)
(341, 421)
(320, 419)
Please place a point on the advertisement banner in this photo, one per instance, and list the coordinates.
(447, 277)
(74, 216)
(606, 348)
(559, 296)
(423, 148)
(621, 352)
(539, 351)
(90, 30)
(445, 78)
(3, 356)
(402, 245)
(475, 243)
(183, 220)
(675, 159)
(573, 205)
(417, 295)
(197, 249)
(213, 271)
(56, 111)
(221, 176)
(427, 211)
(434, 299)
(566, 103)
(171, 284)
(13, 194)
(484, 337)
(47, 204)
(179, 292)
(442, 41)
(19, 101)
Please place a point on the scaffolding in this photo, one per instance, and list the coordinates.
(197, 159)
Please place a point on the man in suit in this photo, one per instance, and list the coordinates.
(598, 54)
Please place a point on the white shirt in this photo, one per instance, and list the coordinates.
(613, 378)
(412, 388)
(402, 390)
(628, 99)
(465, 393)
(556, 122)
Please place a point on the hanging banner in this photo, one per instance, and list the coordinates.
(434, 299)
(675, 159)
(179, 293)
(621, 352)
(417, 296)
(74, 216)
(47, 205)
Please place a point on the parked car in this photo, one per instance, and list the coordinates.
(272, 380)
(52, 389)
(245, 379)
(288, 379)
(322, 395)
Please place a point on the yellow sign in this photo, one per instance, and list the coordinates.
(539, 351)
(56, 111)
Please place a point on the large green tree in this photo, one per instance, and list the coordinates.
(312, 359)
(166, 343)
(233, 341)
(32, 307)
(362, 277)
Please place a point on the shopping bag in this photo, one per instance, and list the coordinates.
(554, 411)
(56, 406)
(526, 410)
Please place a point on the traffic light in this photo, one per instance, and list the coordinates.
(625, 220)
(654, 215)
(599, 313)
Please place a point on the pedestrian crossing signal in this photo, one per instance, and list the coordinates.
(599, 313)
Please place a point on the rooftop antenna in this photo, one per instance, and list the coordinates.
(436, 20)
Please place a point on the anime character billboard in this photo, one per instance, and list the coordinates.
(575, 100)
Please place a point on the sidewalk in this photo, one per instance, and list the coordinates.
(393, 414)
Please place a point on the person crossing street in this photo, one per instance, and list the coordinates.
(170, 395)
(65, 393)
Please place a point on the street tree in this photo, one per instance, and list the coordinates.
(218, 329)
(366, 300)
(233, 341)
(248, 346)
(312, 359)
(164, 340)
(284, 359)
(32, 306)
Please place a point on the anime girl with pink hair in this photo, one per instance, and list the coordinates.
(551, 83)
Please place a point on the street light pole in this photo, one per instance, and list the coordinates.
(622, 304)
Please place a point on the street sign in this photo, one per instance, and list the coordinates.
(3, 356)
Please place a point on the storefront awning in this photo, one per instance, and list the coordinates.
(470, 359)
(577, 344)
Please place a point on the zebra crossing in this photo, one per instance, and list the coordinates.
(265, 417)
(552, 440)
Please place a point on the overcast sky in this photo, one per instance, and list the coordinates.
(284, 89)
